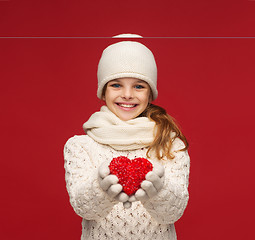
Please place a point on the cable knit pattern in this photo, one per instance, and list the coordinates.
(103, 217)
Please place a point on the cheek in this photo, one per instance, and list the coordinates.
(145, 103)
(147, 98)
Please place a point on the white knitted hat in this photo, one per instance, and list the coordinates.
(127, 59)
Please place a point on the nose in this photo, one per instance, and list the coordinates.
(127, 93)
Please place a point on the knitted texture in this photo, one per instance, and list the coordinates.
(130, 173)
(105, 218)
(106, 128)
(127, 59)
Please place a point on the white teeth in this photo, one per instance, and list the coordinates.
(126, 105)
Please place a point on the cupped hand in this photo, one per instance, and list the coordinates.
(153, 183)
(109, 183)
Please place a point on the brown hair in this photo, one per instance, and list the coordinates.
(165, 125)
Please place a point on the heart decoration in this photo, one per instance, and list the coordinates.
(130, 173)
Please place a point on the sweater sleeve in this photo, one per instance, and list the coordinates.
(169, 204)
(86, 196)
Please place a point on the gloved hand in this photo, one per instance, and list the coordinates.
(154, 181)
(109, 183)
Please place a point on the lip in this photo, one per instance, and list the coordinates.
(126, 108)
(127, 103)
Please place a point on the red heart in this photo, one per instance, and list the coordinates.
(131, 173)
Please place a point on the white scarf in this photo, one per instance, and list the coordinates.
(106, 128)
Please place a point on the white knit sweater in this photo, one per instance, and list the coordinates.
(103, 217)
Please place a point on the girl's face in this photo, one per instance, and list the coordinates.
(127, 98)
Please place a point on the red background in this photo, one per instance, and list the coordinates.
(48, 90)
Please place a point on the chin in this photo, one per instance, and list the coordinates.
(126, 118)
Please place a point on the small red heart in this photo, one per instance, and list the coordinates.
(131, 173)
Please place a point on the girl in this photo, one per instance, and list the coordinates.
(127, 129)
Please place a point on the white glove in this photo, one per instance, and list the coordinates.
(128, 203)
(154, 181)
(109, 183)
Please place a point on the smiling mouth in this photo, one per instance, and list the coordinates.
(126, 105)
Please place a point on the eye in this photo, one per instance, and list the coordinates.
(139, 86)
(115, 85)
